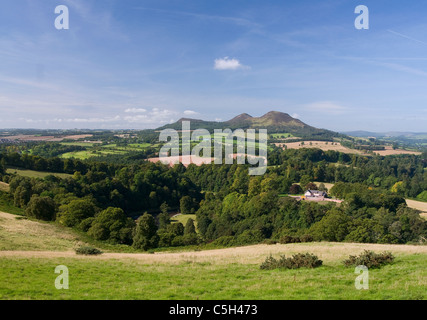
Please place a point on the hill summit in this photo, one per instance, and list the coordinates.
(273, 121)
(270, 119)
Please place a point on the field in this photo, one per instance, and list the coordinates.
(4, 186)
(25, 137)
(94, 149)
(17, 233)
(183, 218)
(389, 151)
(35, 174)
(422, 206)
(28, 260)
(323, 145)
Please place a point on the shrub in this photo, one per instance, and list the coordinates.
(42, 208)
(369, 259)
(299, 260)
(306, 238)
(422, 196)
(224, 241)
(269, 241)
(289, 239)
(87, 250)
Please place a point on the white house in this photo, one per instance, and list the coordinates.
(315, 194)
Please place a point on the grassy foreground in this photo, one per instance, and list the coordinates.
(30, 251)
(33, 278)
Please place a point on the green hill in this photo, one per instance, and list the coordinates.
(273, 121)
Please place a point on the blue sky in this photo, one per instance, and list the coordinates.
(141, 64)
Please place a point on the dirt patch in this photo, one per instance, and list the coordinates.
(185, 160)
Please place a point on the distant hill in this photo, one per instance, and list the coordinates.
(390, 134)
(273, 121)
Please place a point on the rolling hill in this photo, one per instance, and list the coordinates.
(273, 121)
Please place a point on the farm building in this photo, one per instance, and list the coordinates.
(315, 194)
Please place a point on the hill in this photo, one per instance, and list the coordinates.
(273, 121)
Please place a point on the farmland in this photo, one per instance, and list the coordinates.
(35, 174)
(337, 146)
(323, 145)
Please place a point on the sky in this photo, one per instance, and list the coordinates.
(129, 64)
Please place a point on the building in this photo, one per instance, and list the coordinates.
(315, 194)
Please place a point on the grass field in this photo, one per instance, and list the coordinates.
(218, 274)
(83, 155)
(30, 251)
(183, 218)
(21, 234)
(35, 174)
(81, 144)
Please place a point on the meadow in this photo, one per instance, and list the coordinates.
(35, 174)
(31, 250)
(217, 275)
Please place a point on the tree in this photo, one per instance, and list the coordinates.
(177, 229)
(322, 187)
(332, 227)
(311, 186)
(112, 224)
(186, 205)
(42, 208)
(305, 180)
(164, 219)
(145, 235)
(189, 227)
(295, 189)
(75, 212)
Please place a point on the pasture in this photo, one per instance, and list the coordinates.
(35, 174)
(30, 251)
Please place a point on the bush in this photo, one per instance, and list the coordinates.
(269, 241)
(289, 239)
(42, 208)
(224, 241)
(86, 250)
(306, 238)
(369, 259)
(422, 196)
(299, 260)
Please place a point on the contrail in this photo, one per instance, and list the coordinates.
(406, 37)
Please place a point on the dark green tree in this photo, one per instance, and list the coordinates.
(42, 208)
(112, 224)
(76, 211)
(189, 227)
(145, 235)
(164, 219)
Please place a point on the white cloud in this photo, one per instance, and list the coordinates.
(228, 64)
(295, 115)
(153, 117)
(135, 110)
(190, 112)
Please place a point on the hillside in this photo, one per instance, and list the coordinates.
(273, 121)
